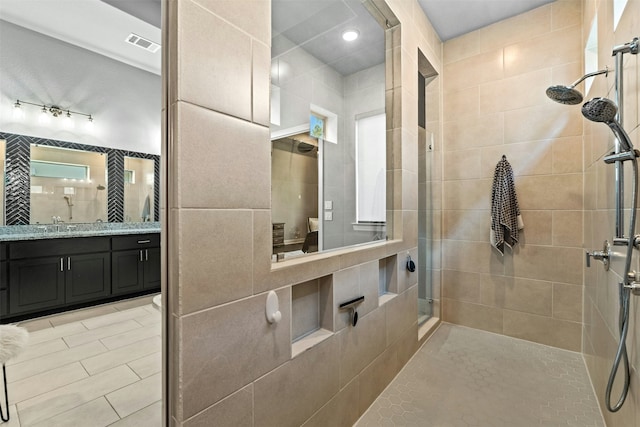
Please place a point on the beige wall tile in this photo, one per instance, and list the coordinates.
(213, 147)
(538, 227)
(520, 28)
(486, 67)
(472, 315)
(204, 283)
(543, 330)
(557, 47)
(567, 228)
(462, 103)
(530, 296)
(467, 194)
(492, 291)
(520, 91)
(565, 13)
(567, 155)
(247, 15)
(474, 257)
(290, 394)
(401, 314)
(471, 224)
(552, 121)
(361, 344)
(473, 132)
(220, 50)
(208, 373)
(260, 80)
(550, 192)
(262, 247)
(547, 263)
(526, 158)
(235, 410)
(461, 286)
(567, 302)
(461, 167)
(375, 378)
(341, 411)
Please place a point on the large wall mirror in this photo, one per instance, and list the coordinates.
(328, 126)
(71, 91)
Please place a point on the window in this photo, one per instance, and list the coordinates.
(59, 170)
(371, 180)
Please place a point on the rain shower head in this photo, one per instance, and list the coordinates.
(569, 95)
(603, 110)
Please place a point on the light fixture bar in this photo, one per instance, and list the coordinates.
(53, 109)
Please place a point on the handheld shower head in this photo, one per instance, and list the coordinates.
(603, 110)
(569, 95)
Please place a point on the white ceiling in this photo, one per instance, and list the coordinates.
(453, 18)
(90, 24)
(103, 25)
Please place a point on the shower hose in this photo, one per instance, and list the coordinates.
(624, 296)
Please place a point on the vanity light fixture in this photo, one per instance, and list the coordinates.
(53, 109)
(350, 35)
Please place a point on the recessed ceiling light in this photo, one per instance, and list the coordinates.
(350, 35)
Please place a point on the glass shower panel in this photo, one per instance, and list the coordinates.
(425, 225)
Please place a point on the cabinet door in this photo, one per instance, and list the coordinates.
(127, 271)
(152, 268)
(36, 284)
(88, 277)
(4, 294)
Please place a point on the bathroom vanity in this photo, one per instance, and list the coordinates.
(47, 269)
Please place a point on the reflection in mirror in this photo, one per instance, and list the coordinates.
(3, 147)
(67, 185)
(138, 190)
(294, 191)
(326, 86)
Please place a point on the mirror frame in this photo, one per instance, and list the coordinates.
(18, 178)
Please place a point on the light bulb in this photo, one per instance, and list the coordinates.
(350, 35)
(18, 112)
(68, 121)
(44, 115)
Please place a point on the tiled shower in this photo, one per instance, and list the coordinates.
(491, 103)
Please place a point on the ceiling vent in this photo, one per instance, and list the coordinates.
(143, 43)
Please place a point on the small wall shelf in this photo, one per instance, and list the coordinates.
(311, 313)
(388, 276)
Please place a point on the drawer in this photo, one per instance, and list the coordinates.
(3, 251)
(57, 247)
(278, 225)
(278, 241)
(135, 241)
(278, 233)
(4, 279)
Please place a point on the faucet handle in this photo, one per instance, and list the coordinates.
(602, 255)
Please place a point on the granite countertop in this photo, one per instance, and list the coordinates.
(66, 230)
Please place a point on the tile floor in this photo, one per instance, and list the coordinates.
(95, 367)
(466, 377)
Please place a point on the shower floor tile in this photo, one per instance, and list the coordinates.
(466, 377)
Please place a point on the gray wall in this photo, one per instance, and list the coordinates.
(124, 100)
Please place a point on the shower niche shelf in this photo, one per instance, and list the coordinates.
(388, 279)
(311, 313)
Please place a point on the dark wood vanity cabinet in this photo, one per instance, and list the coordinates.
(4, 284)
(135, 263)
(40, 276)
(45, 274)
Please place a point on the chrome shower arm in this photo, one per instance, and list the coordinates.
(586, 76)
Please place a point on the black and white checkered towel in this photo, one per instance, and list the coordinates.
(505, 213)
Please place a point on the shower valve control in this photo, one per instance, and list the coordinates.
(602, 255)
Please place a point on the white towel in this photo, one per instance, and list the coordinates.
(505, 213)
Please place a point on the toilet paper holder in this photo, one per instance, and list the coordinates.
(351, 306)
